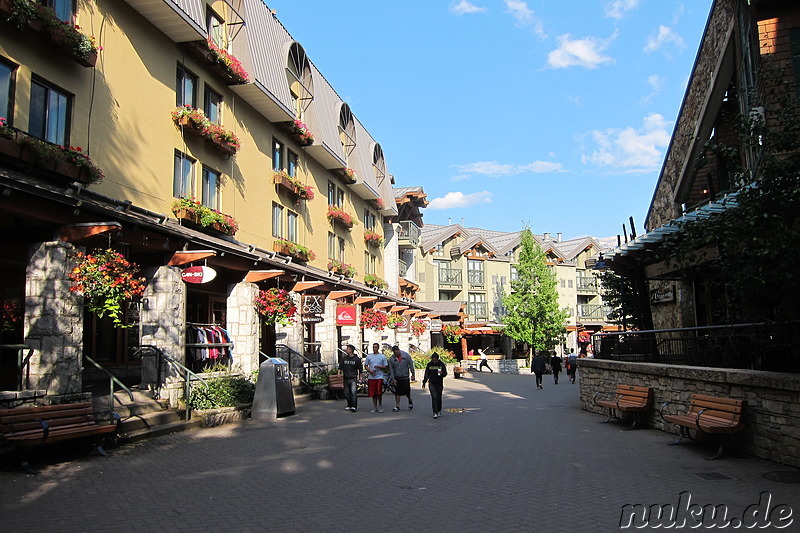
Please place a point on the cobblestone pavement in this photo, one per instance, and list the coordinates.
(516, 459)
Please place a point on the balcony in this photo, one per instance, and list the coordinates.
(478, 310)
(586, 284)
(450, 276)
(403, 268)
(408, 234)
(475, 278)
(593, 311)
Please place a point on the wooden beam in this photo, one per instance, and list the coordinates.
(301, 286)
(187, 256)
(410, 312)
(381, 305)
(691, 259)
(76, 232)
(335, 295)
(365, 299)
(260, 275)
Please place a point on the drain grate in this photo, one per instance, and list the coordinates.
(461, 409)
(712, 476)
(784, 477)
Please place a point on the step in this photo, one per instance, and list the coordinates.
(157, 431)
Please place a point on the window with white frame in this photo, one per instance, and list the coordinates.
(277, 220)
(210, 196)
(291, 226)
(212, 105)
(185, 87)
(291, 163)
(335, 195)
(182, 181)
(370, 220)
(215, 27)
(49, 113)
(277, 155)
(370, 262)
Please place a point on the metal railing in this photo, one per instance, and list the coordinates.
(409, 234)
(299, 365)
(403, 268)
(188, 375)
(23, 362)
(586, 283)
(112, 380)
(478, 310)
(756, 346)
(450, 276)
(598, 312)
(475, 278)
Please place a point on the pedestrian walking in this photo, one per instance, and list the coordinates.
(572, 365)
(539, 366)
(435, 372)
(555, 364)
(401, 372)
(484, 362)
(350, 367)
(376, 368)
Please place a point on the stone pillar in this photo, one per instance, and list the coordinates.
(243, 327)
(391, 257)
(326, 334)
(53, 320)
(163, 322)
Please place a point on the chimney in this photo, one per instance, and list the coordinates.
(546, 237)
(559, 236)
(449, 221)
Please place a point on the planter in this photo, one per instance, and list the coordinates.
(88, 62)
(286, 249)
(188, 215)
(10, 148)
(210, 418)
(221, 228)
(223, 147)
(189, 126)
(68, 170)
(199, 49)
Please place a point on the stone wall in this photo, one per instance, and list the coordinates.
(243, 327)
(772, 416)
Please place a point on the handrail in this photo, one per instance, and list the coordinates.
(189, 376)
(111, 383)
(21, 362)
(319, 366)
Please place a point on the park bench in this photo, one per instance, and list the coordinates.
(628, 399)
(458, 371)
(28, 427)
(712, 415)
(336, 385)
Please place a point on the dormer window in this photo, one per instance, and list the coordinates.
(215, 27)
(378, 164)
(301, 85)
(347, 130)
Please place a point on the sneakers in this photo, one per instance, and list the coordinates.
(380, 409)
(347, 408)
(395, 409)
(435, 415)
(410, 406)
(353, 409)
(374, 411)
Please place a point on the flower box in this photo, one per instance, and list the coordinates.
(336, 215)
(348, 271)
(349, 176)
(293, 186)
(375, 281)
(373, 239)
(300, 132)
(10, 148)
(204, 217)
(292, 249)
(218, 61)
(194, 122)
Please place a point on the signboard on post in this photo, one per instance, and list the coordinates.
(662, 295)
(198, 274)
(346, 315)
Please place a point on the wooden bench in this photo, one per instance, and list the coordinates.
(712, 415)
(27, 427)
(458, 371)
(628, 399)
(336, 385)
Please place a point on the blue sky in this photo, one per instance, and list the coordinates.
(551, 113)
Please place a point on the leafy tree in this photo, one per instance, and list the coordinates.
(622, 296)
(533, 315)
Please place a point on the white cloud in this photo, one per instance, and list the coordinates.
(495, 169)
(460, 177)
(632, 149)
(586, 52)
(655, 82)
(525, 16)
(665, 35)
(617, 9)
(465, 7)
(456, 199)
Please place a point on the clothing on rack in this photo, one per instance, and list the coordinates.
(216, 341)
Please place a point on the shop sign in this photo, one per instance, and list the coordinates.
(312, 319)
(436, 325)
(662, 295)
(198, 274)
(346, 315)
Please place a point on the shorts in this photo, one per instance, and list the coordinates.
(375, 387)
(402, 386)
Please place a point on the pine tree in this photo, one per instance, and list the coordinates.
(533, 315)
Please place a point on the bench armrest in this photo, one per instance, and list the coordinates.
(661, 411)
(45, 429)
(598, 393)
(697, 418)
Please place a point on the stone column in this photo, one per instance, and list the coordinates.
(53, 322)
(391, 257)
(243, 327)
(163, 322)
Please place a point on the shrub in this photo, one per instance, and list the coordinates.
(224, 391)
(445, 356)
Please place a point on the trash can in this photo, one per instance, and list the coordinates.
(273, 397)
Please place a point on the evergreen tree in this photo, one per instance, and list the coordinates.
(533, 315)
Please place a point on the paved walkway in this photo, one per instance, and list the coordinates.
(518, 459)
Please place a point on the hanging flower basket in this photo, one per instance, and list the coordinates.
(452, 333)
(336, 215)
(349, 175)
(293, 186)
(348, 271)
(375, 281)
(374, 319)
(275, 306)
(292, 249)
(395, 321)
(195, 122)
(301, 132)
(380, 205)
(225, 65)
(194, 212)
(372, 238)
(106, 279)
(418, 327)
(584, 336)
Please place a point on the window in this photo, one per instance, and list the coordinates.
(335, 195)
(185, 88)
(216, 29)
(7, 92)
(291, 226)
(301, 85)
(277, 155)
(475, 272)
(182, 179)
(370, 221)
(369, 263)
(291, 160)
(569, 283)
(62, 8)
(514, 275)
(336, 247)
(277, 220)
(439, 249)
(49, 117)
(212, 105)
(210, 196)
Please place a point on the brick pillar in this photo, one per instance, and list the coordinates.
(53, 320)
(243, 327)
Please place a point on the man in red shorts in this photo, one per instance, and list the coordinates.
(376, 365)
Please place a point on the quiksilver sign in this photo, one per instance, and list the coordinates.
(198, 274)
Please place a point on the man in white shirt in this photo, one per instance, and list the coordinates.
(376, 366)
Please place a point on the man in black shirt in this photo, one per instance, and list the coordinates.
(435, 372)
(350, 367)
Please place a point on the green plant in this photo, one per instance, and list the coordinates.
(318, 379)
(297, 250)
(205, 216)
(374, 319)
(375, 239)
(275, 306)
(62, 34)
(228, 63)
(395, 321)
(445, 356)
(45, 153)
(452, 332)
(212, 131)
(346, 270)
(224, 391)
(337, 214)
(421, 360)
(375, 281)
